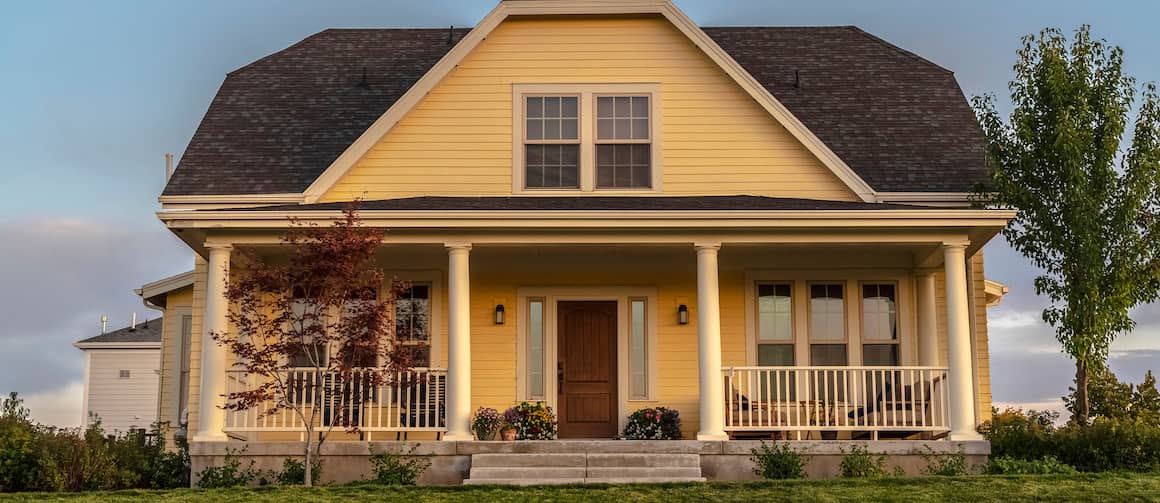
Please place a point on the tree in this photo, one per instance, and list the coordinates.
(313, 331)
(1089, 213)
(1107, 396)
(1146, 400)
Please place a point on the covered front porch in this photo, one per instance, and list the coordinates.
(802, 336)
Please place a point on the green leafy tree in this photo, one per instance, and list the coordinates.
(1146, 400)
(1089, 212)
(1107, 396)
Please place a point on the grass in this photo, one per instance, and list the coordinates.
(1083, 487)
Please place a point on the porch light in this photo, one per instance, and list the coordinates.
(499, 314)
(683, 314)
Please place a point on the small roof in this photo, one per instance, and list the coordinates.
(146, 335)
(592, 203)
(154, 293)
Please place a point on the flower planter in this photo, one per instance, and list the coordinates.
(508, 434)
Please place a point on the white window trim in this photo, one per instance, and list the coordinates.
(587, 93)
(800, 279)
(174, 327)
(621, 294)
(436, 332)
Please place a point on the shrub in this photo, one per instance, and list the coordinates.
(74, 459)
(398, 468)
(485, 423)
(1025, 435)
(778, 462)
(1108, 444)
(294, 472)
(532, 421)
(658, 423)
(1007, 465)
(946, 465)
(143, 462)
(17, 447)
(229, 474)
(860, 463)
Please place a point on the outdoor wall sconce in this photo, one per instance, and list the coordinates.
(683, 314)
(499, 314)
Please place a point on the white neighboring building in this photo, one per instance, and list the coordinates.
(121, 377)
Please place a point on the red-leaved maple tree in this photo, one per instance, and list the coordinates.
(313, 329)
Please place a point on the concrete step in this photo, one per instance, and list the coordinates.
(644, 460)
(645, 480)
(522, 482)
(527, 460)
(598, 473)
(527, 472)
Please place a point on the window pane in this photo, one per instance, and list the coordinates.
(879, 312)
(413, 322)
(637, 349)
(535, 107)
(551, 130)
(568, 107)
(827, 312)
(569, 129)
(603, 107)
(828, 354)
(640, 129)
(552, 166)
(775, 355)
(536, 349)
(640, 106)
(774, 312)
(874, 355)
(604, 129)
(622, 118)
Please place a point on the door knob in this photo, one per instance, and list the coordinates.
(559, 377)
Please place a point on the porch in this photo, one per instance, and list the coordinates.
(658, 314)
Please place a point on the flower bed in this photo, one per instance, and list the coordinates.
(658, 423)
(532, 421)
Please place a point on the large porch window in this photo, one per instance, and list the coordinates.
(879, 324)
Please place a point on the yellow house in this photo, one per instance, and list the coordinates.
(605, 207)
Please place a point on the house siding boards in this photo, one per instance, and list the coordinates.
(123, 403)
(179, 303)
(716, 138)
(200, 271)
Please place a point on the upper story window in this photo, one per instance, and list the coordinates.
(586, 137)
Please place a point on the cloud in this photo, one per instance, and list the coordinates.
(1010, 320)
(59, 277)
(57, 407)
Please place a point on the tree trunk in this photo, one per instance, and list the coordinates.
(309, 476)
(1082, 405)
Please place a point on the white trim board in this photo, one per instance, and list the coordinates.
(383, 125)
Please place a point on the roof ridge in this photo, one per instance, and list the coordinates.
(275, 53)
(899, 50)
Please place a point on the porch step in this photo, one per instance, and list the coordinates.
(583, 467)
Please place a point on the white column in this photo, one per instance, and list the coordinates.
(927, 320)
(960, 360)
(211, 415)
(458, 343)
(709, 344)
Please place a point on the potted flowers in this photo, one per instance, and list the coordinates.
(658, 423)
(485, 423)
(532, 421)
(507, 431)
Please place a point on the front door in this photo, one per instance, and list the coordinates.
(586, 370)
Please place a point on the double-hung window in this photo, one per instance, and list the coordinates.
(828, 338)
(586, 137)
(879, 324)
(775, 339)
(413, 323)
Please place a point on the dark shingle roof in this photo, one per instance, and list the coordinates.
(594, 203)
(899, 121)
(150, 331)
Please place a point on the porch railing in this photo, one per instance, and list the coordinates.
(866, 400)
(407, 402)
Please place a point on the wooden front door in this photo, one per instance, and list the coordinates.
(586, 370)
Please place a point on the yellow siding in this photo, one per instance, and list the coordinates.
(177, 303)
(716, 138)
(979, 310)
(200, 271)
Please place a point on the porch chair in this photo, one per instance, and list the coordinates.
(901, 405)
(741, 409)
(425, 405)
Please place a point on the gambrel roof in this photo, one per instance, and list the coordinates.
(900, 122)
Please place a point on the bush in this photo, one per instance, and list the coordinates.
(294, 472)
(860, 463)
(398, 468)
(229, 474)
(945, 465)
(658, 423)
(1007, 465)
(532, 421)
(17, 447)
(1105, 445)
(74, 459)
(778, 462)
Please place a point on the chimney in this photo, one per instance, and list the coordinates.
(104, 323)
(133, 325)
(168, 167)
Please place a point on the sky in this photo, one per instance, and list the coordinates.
(93, 94)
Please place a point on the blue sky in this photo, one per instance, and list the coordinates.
(94, 93)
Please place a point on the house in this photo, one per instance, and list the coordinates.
(603, 206)
(123, 367)
(120, 384)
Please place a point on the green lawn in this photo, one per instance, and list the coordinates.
(1085, 487)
